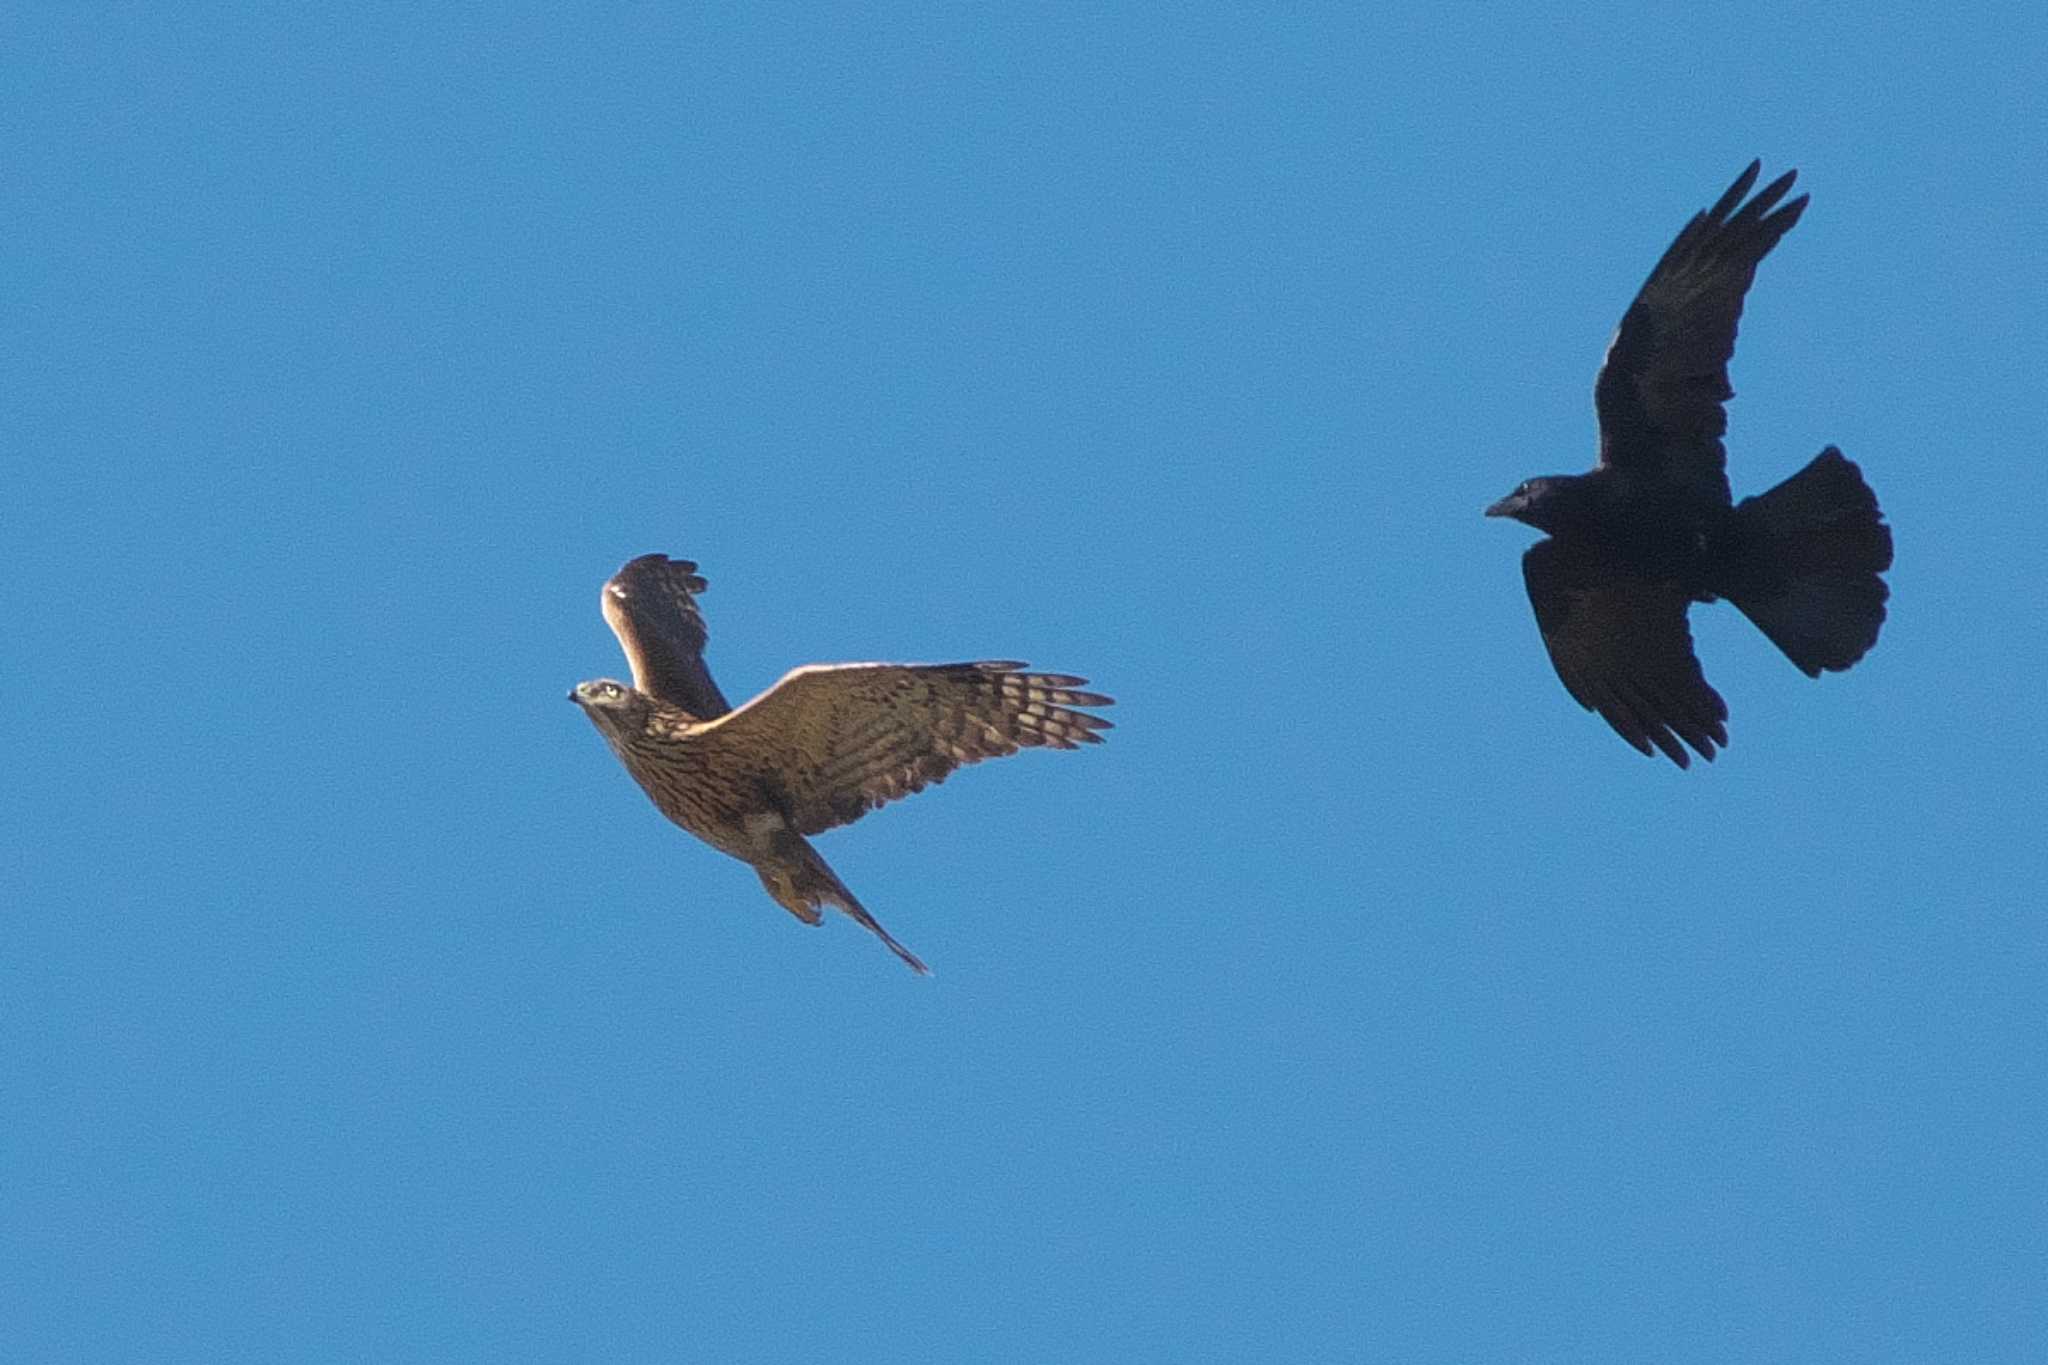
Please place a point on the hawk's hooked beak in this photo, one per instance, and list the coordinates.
(573, 696)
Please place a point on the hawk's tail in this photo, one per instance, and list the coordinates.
(805, 882)
(1819, 542)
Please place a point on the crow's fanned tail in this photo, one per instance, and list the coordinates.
(1818, 542)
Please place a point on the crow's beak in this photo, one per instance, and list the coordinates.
(1506, 507)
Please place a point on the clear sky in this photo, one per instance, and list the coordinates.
(1362, 999)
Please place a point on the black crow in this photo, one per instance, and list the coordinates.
(1651, 529)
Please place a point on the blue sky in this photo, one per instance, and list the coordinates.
(1363, 999)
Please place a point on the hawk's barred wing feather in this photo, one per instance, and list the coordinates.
(651, 605)
(846, 738)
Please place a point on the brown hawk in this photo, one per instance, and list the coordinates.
(823, 747)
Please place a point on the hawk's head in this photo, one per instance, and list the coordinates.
(611, 704)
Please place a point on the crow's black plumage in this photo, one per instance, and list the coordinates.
(1652, 528)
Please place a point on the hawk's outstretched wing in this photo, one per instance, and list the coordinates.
(1622, 646)
(651, 605)
(1660, 391)
(838, 740)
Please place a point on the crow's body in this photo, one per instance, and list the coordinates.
(1652, 527)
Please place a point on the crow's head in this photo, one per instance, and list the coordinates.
(1551, 504)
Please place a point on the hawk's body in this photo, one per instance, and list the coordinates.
(821, 748)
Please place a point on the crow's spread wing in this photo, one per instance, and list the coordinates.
(1621, 645)
(1661, 388)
